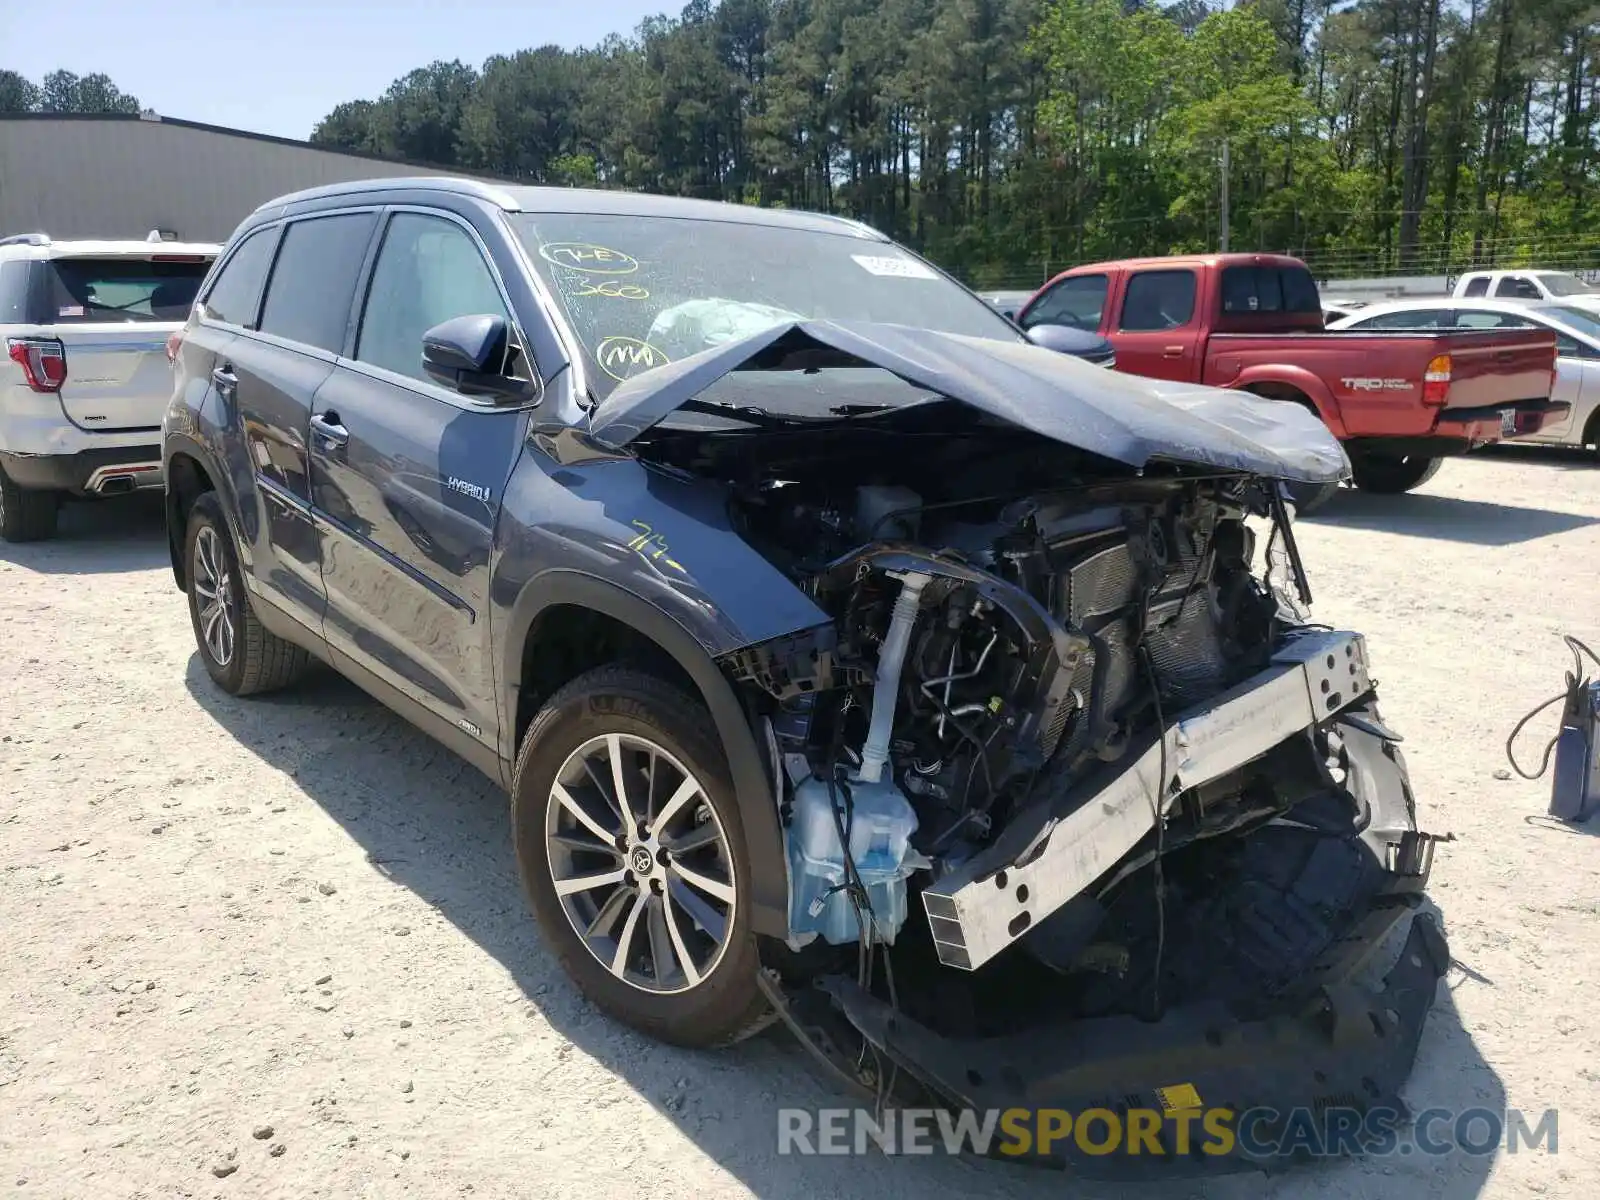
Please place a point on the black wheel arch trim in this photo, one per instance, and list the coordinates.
(171, 446)
(758, 810)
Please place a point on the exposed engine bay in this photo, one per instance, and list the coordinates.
(1032, 648)
(984, 727)
(1043, 640)
(1077, 804)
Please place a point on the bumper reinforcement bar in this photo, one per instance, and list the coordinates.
(995, 897)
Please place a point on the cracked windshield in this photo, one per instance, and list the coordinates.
(642, 291)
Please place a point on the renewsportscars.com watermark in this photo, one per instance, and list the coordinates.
(1254, 1133)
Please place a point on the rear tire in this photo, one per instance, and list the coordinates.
(1388, 476)
(240, 655)
(669, 951)
(25, 515)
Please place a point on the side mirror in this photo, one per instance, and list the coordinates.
(468, 354)
(1064, 339)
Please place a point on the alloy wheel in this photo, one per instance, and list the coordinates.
(640, 863)
(213, 589)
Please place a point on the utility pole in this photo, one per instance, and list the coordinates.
(1224, 195)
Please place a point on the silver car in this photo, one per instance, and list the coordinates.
(1577, 333)
(85, 376)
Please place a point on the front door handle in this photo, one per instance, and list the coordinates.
(327, 427)
(224, 377)
(1172, 352)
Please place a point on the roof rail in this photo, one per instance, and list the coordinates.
(26, 239)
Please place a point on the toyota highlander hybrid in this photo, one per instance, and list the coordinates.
(850, 659)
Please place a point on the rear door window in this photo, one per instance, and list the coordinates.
(1478, 286)
(1157, 300)
(1077, 301)
(1518, 287)
(314, 279)
(83, 290)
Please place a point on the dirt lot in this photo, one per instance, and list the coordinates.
(287, 935)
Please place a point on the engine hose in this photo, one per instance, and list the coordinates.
(891, 659)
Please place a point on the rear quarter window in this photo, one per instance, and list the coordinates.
(14, 279)
(235, 295)
(85, 290)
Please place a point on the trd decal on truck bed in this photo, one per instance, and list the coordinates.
(1376, 385)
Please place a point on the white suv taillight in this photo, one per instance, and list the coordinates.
(43, 362)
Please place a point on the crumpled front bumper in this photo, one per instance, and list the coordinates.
(1330, 1042)
(1347, 1047)
(1055, 849)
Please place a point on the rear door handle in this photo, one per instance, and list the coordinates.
(327, 427)
(224, 377)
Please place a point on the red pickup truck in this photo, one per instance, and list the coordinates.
(1399, 401)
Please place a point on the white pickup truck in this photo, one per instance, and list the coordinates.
(85, 377)
(1559, 286)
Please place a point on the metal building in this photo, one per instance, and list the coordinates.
(125, 175)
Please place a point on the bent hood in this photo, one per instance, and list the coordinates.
(1125, 418)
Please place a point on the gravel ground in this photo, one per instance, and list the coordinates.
(278, 947)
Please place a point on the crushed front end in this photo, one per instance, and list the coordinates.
(1079, 808)
(1121, 824)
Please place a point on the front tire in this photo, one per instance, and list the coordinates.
(1309, 497)
(1590, 442)
(631, 850)
(239, 653)
(26, 515)
(1388, 476)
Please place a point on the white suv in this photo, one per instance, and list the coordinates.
(85, 377)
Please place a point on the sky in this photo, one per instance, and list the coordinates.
(279, 66)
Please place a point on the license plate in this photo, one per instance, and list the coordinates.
(1508, 422)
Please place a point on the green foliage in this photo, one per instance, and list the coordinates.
(1011, 138)
(63, 92)
(17, 93)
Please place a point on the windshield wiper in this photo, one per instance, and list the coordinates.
(763, 419)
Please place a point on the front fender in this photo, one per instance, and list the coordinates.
(753, 786)
(657, 553)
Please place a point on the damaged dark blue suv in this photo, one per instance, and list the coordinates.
(850, 658)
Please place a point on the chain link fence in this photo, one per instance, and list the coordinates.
(1579, 254)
